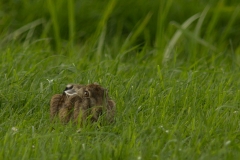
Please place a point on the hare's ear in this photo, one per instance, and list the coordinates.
(69, 86)
(69, 90)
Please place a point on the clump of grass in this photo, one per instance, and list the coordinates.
(173, 112)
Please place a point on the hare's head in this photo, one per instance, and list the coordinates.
(98, 95)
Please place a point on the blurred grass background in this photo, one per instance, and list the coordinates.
(68, 23)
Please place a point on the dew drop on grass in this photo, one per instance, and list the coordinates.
(50, 81)
(227, 143)
(14, 129)
(83, 146)
(140, 107)
(152, 110)
(160, 126)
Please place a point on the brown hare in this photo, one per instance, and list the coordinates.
(79, 102)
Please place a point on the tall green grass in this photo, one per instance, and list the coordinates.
(171, 67)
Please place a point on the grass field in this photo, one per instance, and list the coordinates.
(171, 67)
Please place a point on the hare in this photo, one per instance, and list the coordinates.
(78, 102)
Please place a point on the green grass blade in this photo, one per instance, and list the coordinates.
(229, 26)
(176, 36)
(133, 36)
(54, 19)
(99, 35)
(28, 27)
(192, 35)
(163, 11)
(200, 21)
(71, 23)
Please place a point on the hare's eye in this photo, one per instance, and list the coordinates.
(86, 94)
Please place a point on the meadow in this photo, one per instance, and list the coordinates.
(171, 67)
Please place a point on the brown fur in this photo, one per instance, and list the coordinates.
(91, 100)
(58, 101)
